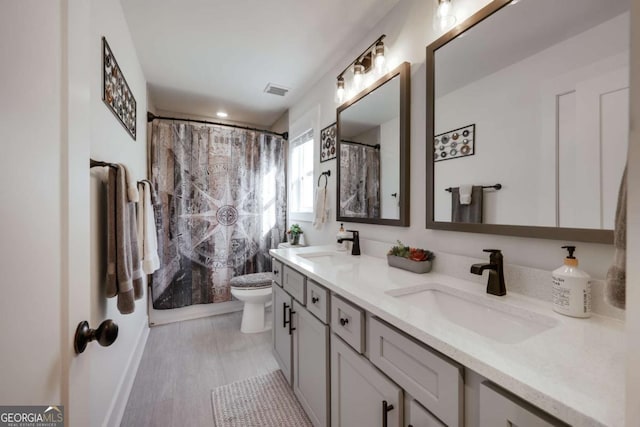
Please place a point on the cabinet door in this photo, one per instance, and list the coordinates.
(500, 408)
(311, 365)
(359, 391)
(417, 416)
(282, 330)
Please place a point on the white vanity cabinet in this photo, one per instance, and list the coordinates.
(360, 394)
(311, 365)
(417, 416)
(500, 408)
(282, 330)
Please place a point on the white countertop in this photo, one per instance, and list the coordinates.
(574, 371)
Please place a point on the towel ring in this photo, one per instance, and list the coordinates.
(326, 174)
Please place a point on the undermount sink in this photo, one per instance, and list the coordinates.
(330, 259)
(484, 316)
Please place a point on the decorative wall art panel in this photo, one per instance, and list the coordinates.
(455, 143)
(328, 149)
(116, 92)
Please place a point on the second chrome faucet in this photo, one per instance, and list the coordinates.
(495, 283)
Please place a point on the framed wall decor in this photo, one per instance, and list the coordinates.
(116, 93)
(328, 148)
(455, 143)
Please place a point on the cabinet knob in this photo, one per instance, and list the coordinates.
(275, 271)
(315, 299)
(343, 321)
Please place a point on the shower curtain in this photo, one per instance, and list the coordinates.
(221, 207)
(359, 180)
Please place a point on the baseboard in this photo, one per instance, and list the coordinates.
(162, 317)
(121, 395)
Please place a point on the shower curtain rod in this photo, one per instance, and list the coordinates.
(151, 117)
(377, 146)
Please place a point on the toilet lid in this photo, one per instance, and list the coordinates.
(252, 281)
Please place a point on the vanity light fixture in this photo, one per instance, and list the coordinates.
(444, 17)
(372, 57)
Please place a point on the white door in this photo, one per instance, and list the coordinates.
(44, 132)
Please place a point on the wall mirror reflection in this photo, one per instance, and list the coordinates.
(373, 146)
(542, 91)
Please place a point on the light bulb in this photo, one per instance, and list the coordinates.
(358, 71)
(444, 17)
(340, 90)
(378, 54)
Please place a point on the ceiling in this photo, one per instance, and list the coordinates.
(515, 33)
(202, 56)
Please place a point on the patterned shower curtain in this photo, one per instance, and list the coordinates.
(359, 180)
(221, 207)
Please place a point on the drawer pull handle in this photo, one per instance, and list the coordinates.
(285, 306)
(315, 299)
(291, 328)
(344, 321)
(385, 410)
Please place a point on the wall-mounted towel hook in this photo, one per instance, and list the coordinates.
(106, 334)
(326, 180)
(495, 187)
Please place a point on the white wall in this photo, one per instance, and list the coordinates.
(113, 368)
(408, 29)
(32, 246)
(516, 146)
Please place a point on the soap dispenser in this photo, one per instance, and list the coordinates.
(571, 292)
(341, 235)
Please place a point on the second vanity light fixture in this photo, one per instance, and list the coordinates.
(372, 58)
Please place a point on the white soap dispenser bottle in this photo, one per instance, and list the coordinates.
(341, 235)
(571, 292)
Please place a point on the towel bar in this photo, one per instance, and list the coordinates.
(326, 180)
(495, 187)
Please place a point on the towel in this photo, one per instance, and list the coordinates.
(147, 238)
(471, 213)
(321, 208)
(615, 288)
(124, 272)
(132, 190)
(465, 194)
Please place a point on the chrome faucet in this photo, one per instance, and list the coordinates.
(355, 249)
(495, 284)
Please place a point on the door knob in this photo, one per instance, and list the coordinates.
(106, 334)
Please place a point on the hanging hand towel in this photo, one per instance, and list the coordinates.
(112, 277)
(471, 213)
(132, 190)
(321, 208)
(465, 194)
(617, 275)
(147, 238)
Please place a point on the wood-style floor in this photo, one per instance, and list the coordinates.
(183, 362)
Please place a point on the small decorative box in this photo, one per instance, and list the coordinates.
(419, 267)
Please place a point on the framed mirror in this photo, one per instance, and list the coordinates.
(528, 120)
(373, 152)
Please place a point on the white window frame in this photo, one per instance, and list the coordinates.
(299, 127)
(302, 182)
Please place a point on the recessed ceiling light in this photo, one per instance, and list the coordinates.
(222, 114)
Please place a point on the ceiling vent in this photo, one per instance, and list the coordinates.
(276, 90)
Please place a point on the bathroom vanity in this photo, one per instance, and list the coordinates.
(365, 344)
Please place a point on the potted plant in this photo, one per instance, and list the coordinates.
(411, 259)
(294, 234)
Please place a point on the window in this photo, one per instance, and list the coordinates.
(301, 178)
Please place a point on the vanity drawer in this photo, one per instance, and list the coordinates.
(293, 282)
(318, 300)
(348, 322)
(433, 380)
(276, 269)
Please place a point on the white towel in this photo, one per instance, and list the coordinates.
(321, 208)
(465, 194)
(132, 190)
(147, 237)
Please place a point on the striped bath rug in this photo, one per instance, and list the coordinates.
(262, 401)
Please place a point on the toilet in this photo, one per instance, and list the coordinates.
(255, 291)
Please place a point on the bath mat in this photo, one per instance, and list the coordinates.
(262, 401)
